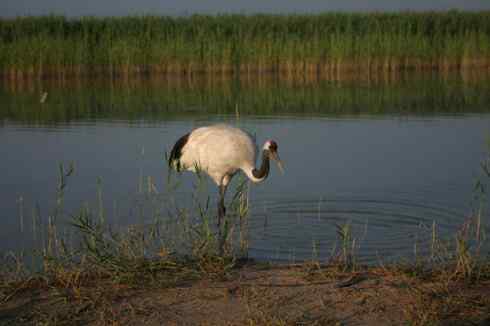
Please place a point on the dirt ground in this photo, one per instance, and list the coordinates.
(254, 295)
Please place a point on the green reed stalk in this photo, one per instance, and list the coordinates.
(222, 44)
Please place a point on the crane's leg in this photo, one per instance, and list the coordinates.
(221, 216)
(221, 205)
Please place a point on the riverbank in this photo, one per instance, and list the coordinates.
(110, 280)
(286, 45)
(259, 294)
(130, 277)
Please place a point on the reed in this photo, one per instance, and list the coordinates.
(289, 45)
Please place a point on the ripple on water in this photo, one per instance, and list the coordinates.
(383, 225)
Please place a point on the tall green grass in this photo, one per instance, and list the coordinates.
(286, 44)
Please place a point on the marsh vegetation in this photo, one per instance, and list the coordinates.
(289, 45)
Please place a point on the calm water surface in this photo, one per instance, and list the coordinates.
(382, 166)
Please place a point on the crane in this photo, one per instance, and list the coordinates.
(221, 151)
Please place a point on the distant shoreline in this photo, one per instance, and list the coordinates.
(287, 46)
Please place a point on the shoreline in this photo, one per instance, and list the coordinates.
(375, 69)
(260, 294)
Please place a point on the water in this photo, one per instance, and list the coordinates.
(390, 158)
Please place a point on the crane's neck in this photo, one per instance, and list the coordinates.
(262, 173)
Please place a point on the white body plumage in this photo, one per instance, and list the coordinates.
(221, 151)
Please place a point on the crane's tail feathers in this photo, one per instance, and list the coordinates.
(176, 153)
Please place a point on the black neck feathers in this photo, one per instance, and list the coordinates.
(263, 172)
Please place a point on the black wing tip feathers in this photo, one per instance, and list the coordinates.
(176, 152)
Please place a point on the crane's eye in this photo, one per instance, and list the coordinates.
(273, 146)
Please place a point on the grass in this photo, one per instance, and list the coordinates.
(136, 253)
(291, 45)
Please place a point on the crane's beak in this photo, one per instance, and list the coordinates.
(275, 157)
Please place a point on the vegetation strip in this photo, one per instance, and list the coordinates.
(245, 44)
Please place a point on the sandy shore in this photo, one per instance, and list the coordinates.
(260, 295)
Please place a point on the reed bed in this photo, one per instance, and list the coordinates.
(288, 45)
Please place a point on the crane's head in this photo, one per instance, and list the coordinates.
(270, 147)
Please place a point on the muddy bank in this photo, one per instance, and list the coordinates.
(260, 295)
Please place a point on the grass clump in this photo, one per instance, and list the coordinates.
(135, 255)
(100, 262)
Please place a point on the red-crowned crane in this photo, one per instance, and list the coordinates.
(221, 151)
